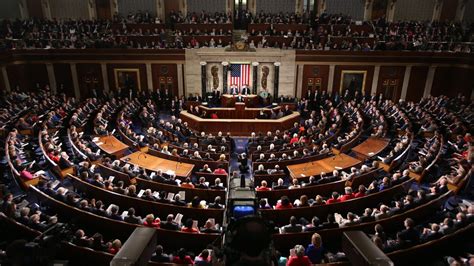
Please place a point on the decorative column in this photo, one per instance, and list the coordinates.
(149, 77)
(180, 80)
(368, 9)
(299, 5)
(429, 81)
(392, 4)
(225, 69)
(75, 81)
(460, 10)
(332, 69)
(203, 79)
(114, 7)
(91, 9)
(406, 80)
(105, 75)
(5, 79)
(23, 9)
(255, 77)
(299, 81)
(321, 7)
(438, 7)
(375, 81)
(160, 9)
(276, 79)
(51, 77)
(46, 9)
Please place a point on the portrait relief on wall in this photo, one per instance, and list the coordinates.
(352, 80)
(127, 78)
(263, 80)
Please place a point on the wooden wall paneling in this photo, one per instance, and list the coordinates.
(2, 83)
(165, 74)
(311, 74)
(63, 75)
(103, 9)
(368, 80)
(27, 77)
(111, 76)
(391, 78)
(416, 84)
(89, 76)
(34, 8)
(451, 81)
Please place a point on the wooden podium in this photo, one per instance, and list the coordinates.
(228, 100)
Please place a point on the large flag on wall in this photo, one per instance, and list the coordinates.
(239, 74)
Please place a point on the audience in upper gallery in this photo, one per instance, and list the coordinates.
(326, 32)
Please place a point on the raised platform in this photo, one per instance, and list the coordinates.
(235, 124)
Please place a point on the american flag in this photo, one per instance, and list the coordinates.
(239, 74)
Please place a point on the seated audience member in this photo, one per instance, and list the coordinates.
(188, 227)
(159, 256)
(182, 258)
(263, 186)
(115, 247)
(315, 251)
(293, 227)
(150, 221)
(284, 203)
(280, 184)
(131, 218)
(298, 257)
(334, 198)
(169, 224)
(203, 259)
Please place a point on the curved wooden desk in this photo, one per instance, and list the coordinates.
(239, 127)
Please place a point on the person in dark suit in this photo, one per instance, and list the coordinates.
(410, 234)
(131, 218)
(245, 90)
(293, 227)
(169, 224)
(330, 223)
(159, 256)
(239, 98)
(234, 90)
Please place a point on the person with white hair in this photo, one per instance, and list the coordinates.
(298, 257)
(261, 158)
(280, 184)
(261, 170)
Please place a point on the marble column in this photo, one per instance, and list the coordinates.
(46, 9)
(392, 5)
(375, 81)
(299, 83)
(91, 9)
(75, 81)
(299, 6)
(105, 77)
(149, 77)
(180, 80)
(51, 77)
(5, 79)
(332, 69)
(438, 7)
(276, 79)
(406, 80)
(429, 81)
(368, 9)
(461, 10)
(255, 77)
(114, 6)
(203, 79)
(23, 9)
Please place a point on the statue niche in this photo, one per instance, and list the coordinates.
(215, 77)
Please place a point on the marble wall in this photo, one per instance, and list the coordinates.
(266, 57)
(9, 9)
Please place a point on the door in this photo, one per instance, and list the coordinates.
(240, 6)
(35, 9)
(379, 9)
(171, 6)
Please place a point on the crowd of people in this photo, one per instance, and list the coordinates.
(325, 32)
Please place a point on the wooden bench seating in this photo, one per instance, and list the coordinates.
(25, 184)
(357, 205)
(198, 164)
(117, 229)
(312, 191)
(332, 237)
(282, 164)
(144, 207)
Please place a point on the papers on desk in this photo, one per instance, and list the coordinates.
(207, 183)
(178, 218)
(40, 172)
(170, 196)
(337, 168)
(140, 194)
(95, 139)
(93, 167)
(124, 213)
(182, 195)
(156, 194)
(371, 153)
(111, 178)
(55, 183)
(303, 175)
(99, 143)
(195, 224)
(113, 131)
(170, 172)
